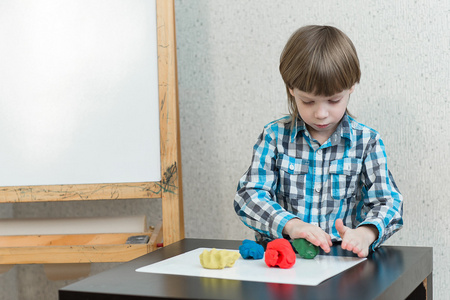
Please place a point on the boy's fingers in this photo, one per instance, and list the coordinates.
(323, 243)
(313, 240)
(330, 243)
(325, 247)
(340, 227)
(317, 241)
(327, 244)
(317, 237)
(363, 253)
(309, 237)
(346, 245)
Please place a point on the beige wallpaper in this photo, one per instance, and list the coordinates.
(229, 87)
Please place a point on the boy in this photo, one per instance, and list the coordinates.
(318, 174)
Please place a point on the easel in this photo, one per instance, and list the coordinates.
(112, 247)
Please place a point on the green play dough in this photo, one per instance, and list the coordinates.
(305, 249)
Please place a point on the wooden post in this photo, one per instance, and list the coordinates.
(172, 201)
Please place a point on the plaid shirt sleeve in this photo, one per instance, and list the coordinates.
(255, 201)
(382, 201)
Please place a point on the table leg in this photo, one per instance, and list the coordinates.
(424, 290)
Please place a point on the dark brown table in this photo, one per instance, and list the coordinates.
(391, 272)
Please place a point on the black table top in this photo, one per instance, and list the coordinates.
(391, 272)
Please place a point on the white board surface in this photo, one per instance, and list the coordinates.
(79, 92)
(305, 271)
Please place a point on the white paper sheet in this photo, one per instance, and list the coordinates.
(304, 272)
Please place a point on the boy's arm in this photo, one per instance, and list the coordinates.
(255, 200)
(381, 197)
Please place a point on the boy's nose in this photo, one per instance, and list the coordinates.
(321, 112)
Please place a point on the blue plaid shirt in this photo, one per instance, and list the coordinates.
(293, 176)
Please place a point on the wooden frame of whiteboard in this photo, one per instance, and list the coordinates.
(112, 247)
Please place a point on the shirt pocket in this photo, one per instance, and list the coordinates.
(292, 178)
(345, 174)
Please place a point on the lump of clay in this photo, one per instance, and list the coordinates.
(218, 259)
(250, 249)
(305, 249)
(279, 253)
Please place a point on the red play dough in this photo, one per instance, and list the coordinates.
(279, 253)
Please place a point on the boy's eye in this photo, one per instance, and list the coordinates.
(335, 101)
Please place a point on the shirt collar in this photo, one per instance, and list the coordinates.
(298, 126)
(344, 130)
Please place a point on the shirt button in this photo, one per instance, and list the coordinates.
(319, 152)
(291, 167)
(318, 188)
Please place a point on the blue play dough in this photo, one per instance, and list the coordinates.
(250, 249)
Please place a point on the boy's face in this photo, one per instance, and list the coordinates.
(320, 113)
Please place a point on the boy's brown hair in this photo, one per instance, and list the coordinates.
(321, 60)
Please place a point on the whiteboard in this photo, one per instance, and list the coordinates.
(78, 92)
(304, 272)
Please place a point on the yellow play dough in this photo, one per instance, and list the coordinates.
(218, 259)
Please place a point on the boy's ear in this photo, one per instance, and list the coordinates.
(352, 88)
(291, 91)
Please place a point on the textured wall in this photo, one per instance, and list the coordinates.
(230, 87)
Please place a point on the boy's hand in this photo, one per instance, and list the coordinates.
(297, 229)
(357, 240)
